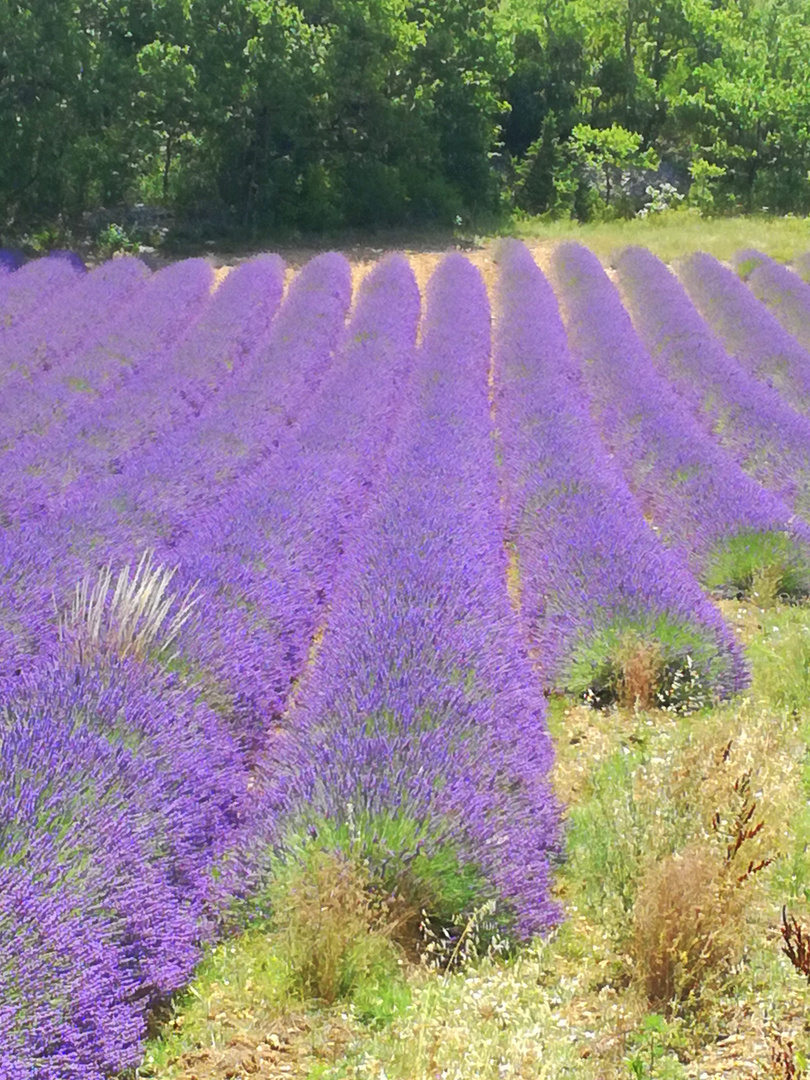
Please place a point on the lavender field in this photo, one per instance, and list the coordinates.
(291, 562)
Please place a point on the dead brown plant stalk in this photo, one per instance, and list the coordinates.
(795, 943)
(689, 917)
(783, 1058)
(640, 673)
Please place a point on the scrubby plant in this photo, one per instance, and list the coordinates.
(686, 927)
(783, 291)
(690, 914)
(333, 931)
(786, 1062)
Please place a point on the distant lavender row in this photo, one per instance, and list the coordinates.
(153, 498)
(164, 392)
(163, 493)
(718, 517)
(420, 723)
(33, 283)
(54, 412)
(749, 331)
(119, 794)
(68, 322)
(784, 292)
(750, 419)
(593, 575)
(266, 557)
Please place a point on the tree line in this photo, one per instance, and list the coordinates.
(322, 114)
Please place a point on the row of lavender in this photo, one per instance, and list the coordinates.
(120, 789)
(436, 741)
(599, 592)
(270, 539)
(117, 787)
(419, 734)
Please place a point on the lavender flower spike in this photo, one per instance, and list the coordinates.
(597, 587)
(736, 535)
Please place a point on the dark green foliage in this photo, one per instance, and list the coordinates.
(252, 115)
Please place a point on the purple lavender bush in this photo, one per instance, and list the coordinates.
(736, 535)
(749, 331)
(153, 498)
(48, 938)
(749, 419)
(782, 290)
(119, 794)
(36, 282)
(66, 324)
(596, 585)
(418, 739)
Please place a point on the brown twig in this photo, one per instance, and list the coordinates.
(796, 946)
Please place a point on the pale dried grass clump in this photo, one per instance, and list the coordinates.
(136, 621)
(692, 909)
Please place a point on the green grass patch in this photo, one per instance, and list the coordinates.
(763, 565)
(655, 661)
(674, 234)
(399, 857)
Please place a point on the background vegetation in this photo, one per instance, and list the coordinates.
(246, 116)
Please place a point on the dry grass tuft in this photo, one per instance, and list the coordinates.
(691, 912)
(332, 931)
(687, 928)
(640, 667)
(135, 622)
